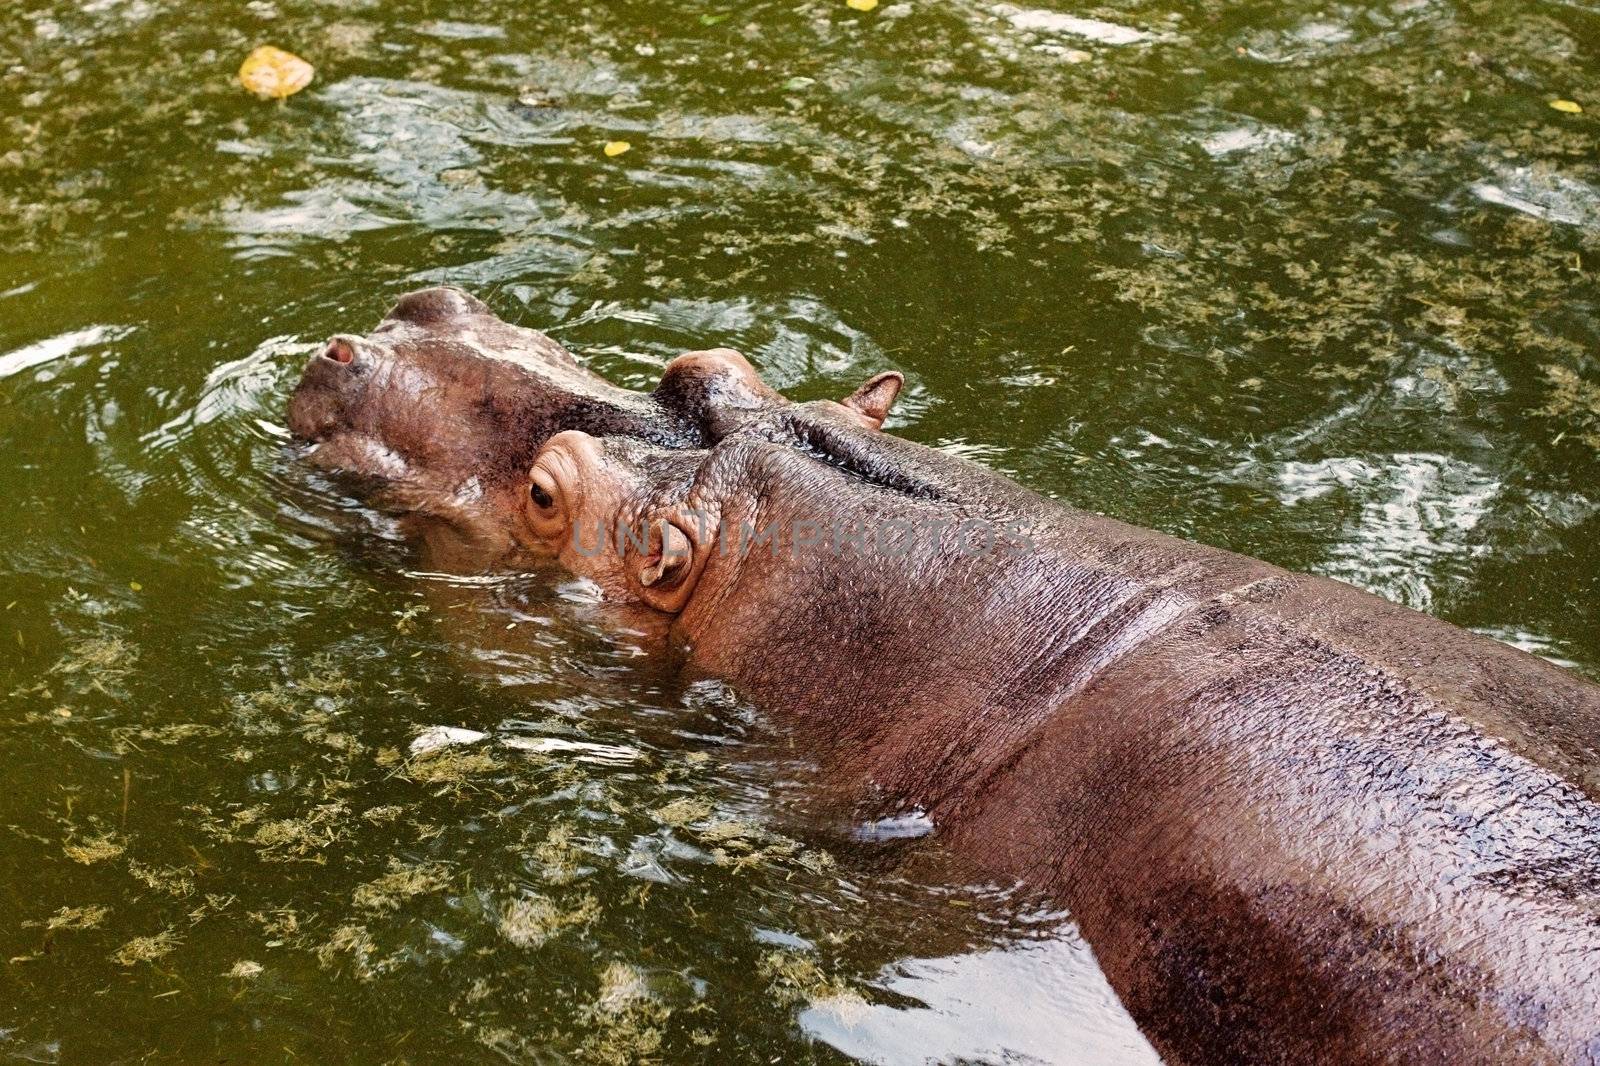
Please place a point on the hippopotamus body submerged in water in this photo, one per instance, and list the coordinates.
(1296, 822)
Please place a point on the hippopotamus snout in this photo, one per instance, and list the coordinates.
(329, 389)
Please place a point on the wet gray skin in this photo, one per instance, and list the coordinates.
(437, 414)
(1312, 283)
(1296, 822)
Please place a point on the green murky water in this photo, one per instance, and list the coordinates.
(1313, 281)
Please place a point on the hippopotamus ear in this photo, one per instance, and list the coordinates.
(875, 396)
(677, 546)
(427, 306)
(670, 556)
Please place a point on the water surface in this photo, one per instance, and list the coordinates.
(1310, 281)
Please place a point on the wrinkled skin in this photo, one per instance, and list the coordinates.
(442, 409)
(1297, 823)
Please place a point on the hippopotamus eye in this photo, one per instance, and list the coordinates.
(541, 498)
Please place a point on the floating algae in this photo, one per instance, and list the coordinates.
(291, 839)
(98, 664)
(94, 849)
(213, 903)
(350, 945)
(795, 978)
(401, 883)
(733, 831)
(683, 810)
(1301, 264)
(405, 621)
(282, 925)
(173, 880)
(450, 766)
(323, 676)
(530, 921)
(87, 917)
(621, 986)
(557, 854)
(628, 1018)
(146, 948)
(1576, 402)
(175, 733)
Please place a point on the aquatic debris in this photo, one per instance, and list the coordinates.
(582, 751)
(245, 970)
(794, 978)
(281, 925)
(101, 661)
(442, 736)
(173, 880)
(620, 986)
(146, 948)
(558, 854)
(682, 811)
(214, 903)
(751, 856)
(1567, 107)
(450, 766)
(1542, 193)
(401, 883)
(344, 743)
(356, 943)
(123, 738)
(730, 831)
(405, 621)
(273, 74)
(736, 843)
(615, 148)
(87, 917)
(288, 839)
(324, 678)
(1575, 400)
(861, 5)
(94, 849)
(529, 921)
(629, 1018)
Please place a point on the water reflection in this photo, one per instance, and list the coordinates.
(1040, 1001)
(1308, 281)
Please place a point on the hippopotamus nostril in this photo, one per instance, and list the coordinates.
(339, 350)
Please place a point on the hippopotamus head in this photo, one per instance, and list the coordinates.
(659, 527)
(442, 408)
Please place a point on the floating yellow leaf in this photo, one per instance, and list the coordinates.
(135, 586)
(616, 148)
(1570, 107)
(272, 74)
(861, 5)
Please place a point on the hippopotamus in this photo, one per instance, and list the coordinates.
(1296, 822)
(441, 409)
